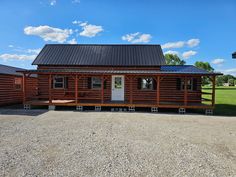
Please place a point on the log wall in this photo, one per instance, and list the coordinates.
(8, 92)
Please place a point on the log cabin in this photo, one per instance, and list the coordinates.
(11, 85)
(116, 76)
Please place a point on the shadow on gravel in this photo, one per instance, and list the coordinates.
(18, 110)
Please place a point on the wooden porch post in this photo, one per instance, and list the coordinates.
(50, 88)
(24, 88)
(158, 90)
(102, 90)
(131, 90)
(76, 88)
(185, 91)
(213, 90)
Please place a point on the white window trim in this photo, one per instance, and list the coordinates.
(63, 82)
(152, 86)
(92, 83)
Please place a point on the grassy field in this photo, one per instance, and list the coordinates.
(225, 100)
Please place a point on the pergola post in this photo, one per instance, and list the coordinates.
(24, 88)
(185, 91)
(50, 88)
(158, 90)
(213, 90)
(131, 90)
(102, 91)
(76, 89)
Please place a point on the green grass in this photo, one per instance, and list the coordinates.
(225, 100)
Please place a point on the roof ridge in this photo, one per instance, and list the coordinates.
(105, 44)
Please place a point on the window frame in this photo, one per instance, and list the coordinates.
(152, 85)
(183, 84)
(92, 83)
(63, 82)
(21, 83)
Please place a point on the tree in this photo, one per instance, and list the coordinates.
(219, 81)
(235, 82)
(172, 59)
(206, 66)
(231, 82)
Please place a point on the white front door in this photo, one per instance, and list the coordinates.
(118, 90)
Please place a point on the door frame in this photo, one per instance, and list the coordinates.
(122, 90)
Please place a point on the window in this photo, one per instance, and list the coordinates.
(118, 83)
(189, 84)
(18, 83)
(96, 83)
(58, 82)
(147, 83)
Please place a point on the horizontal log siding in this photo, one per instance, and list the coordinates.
(138, 94)
(168, 90)
(69, 93)
(9, 94)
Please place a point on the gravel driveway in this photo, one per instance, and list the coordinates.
(67, 143)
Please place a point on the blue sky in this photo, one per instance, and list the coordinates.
(196, 30)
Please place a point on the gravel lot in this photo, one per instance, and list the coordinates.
(67, 143)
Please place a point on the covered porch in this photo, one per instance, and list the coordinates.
(164, 92)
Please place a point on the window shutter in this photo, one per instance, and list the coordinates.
(66, 82)
(89, 82)
(178, 84)
(105, 84)
(154, 84)
(52, 82)
(194, 83)
(139, 83)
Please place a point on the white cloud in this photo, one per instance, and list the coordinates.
(171, 45)
(230, 71)
(76, 1)
(218, 61)
(90, 30)
(193, 42)
(49, 33)
(72, 41)
(137, 38)
(172, 52)
(11, 46)
(188, 54)
(17, 57)
(76, 22)
(53, 2)
(180, 44)
(34, 51)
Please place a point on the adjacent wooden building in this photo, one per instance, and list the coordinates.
(11, 85)
(116, 76)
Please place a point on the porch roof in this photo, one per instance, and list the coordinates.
(185, 70)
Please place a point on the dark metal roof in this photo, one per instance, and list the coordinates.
(234, 55)
(100, 55)
(10, 70)
(186, 69)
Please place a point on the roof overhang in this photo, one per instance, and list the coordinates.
(110, 72)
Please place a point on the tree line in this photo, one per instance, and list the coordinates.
(172, 59)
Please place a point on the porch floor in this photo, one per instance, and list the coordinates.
(119, 103)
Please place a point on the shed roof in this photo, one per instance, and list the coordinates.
(100, 55)
(10, 70)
